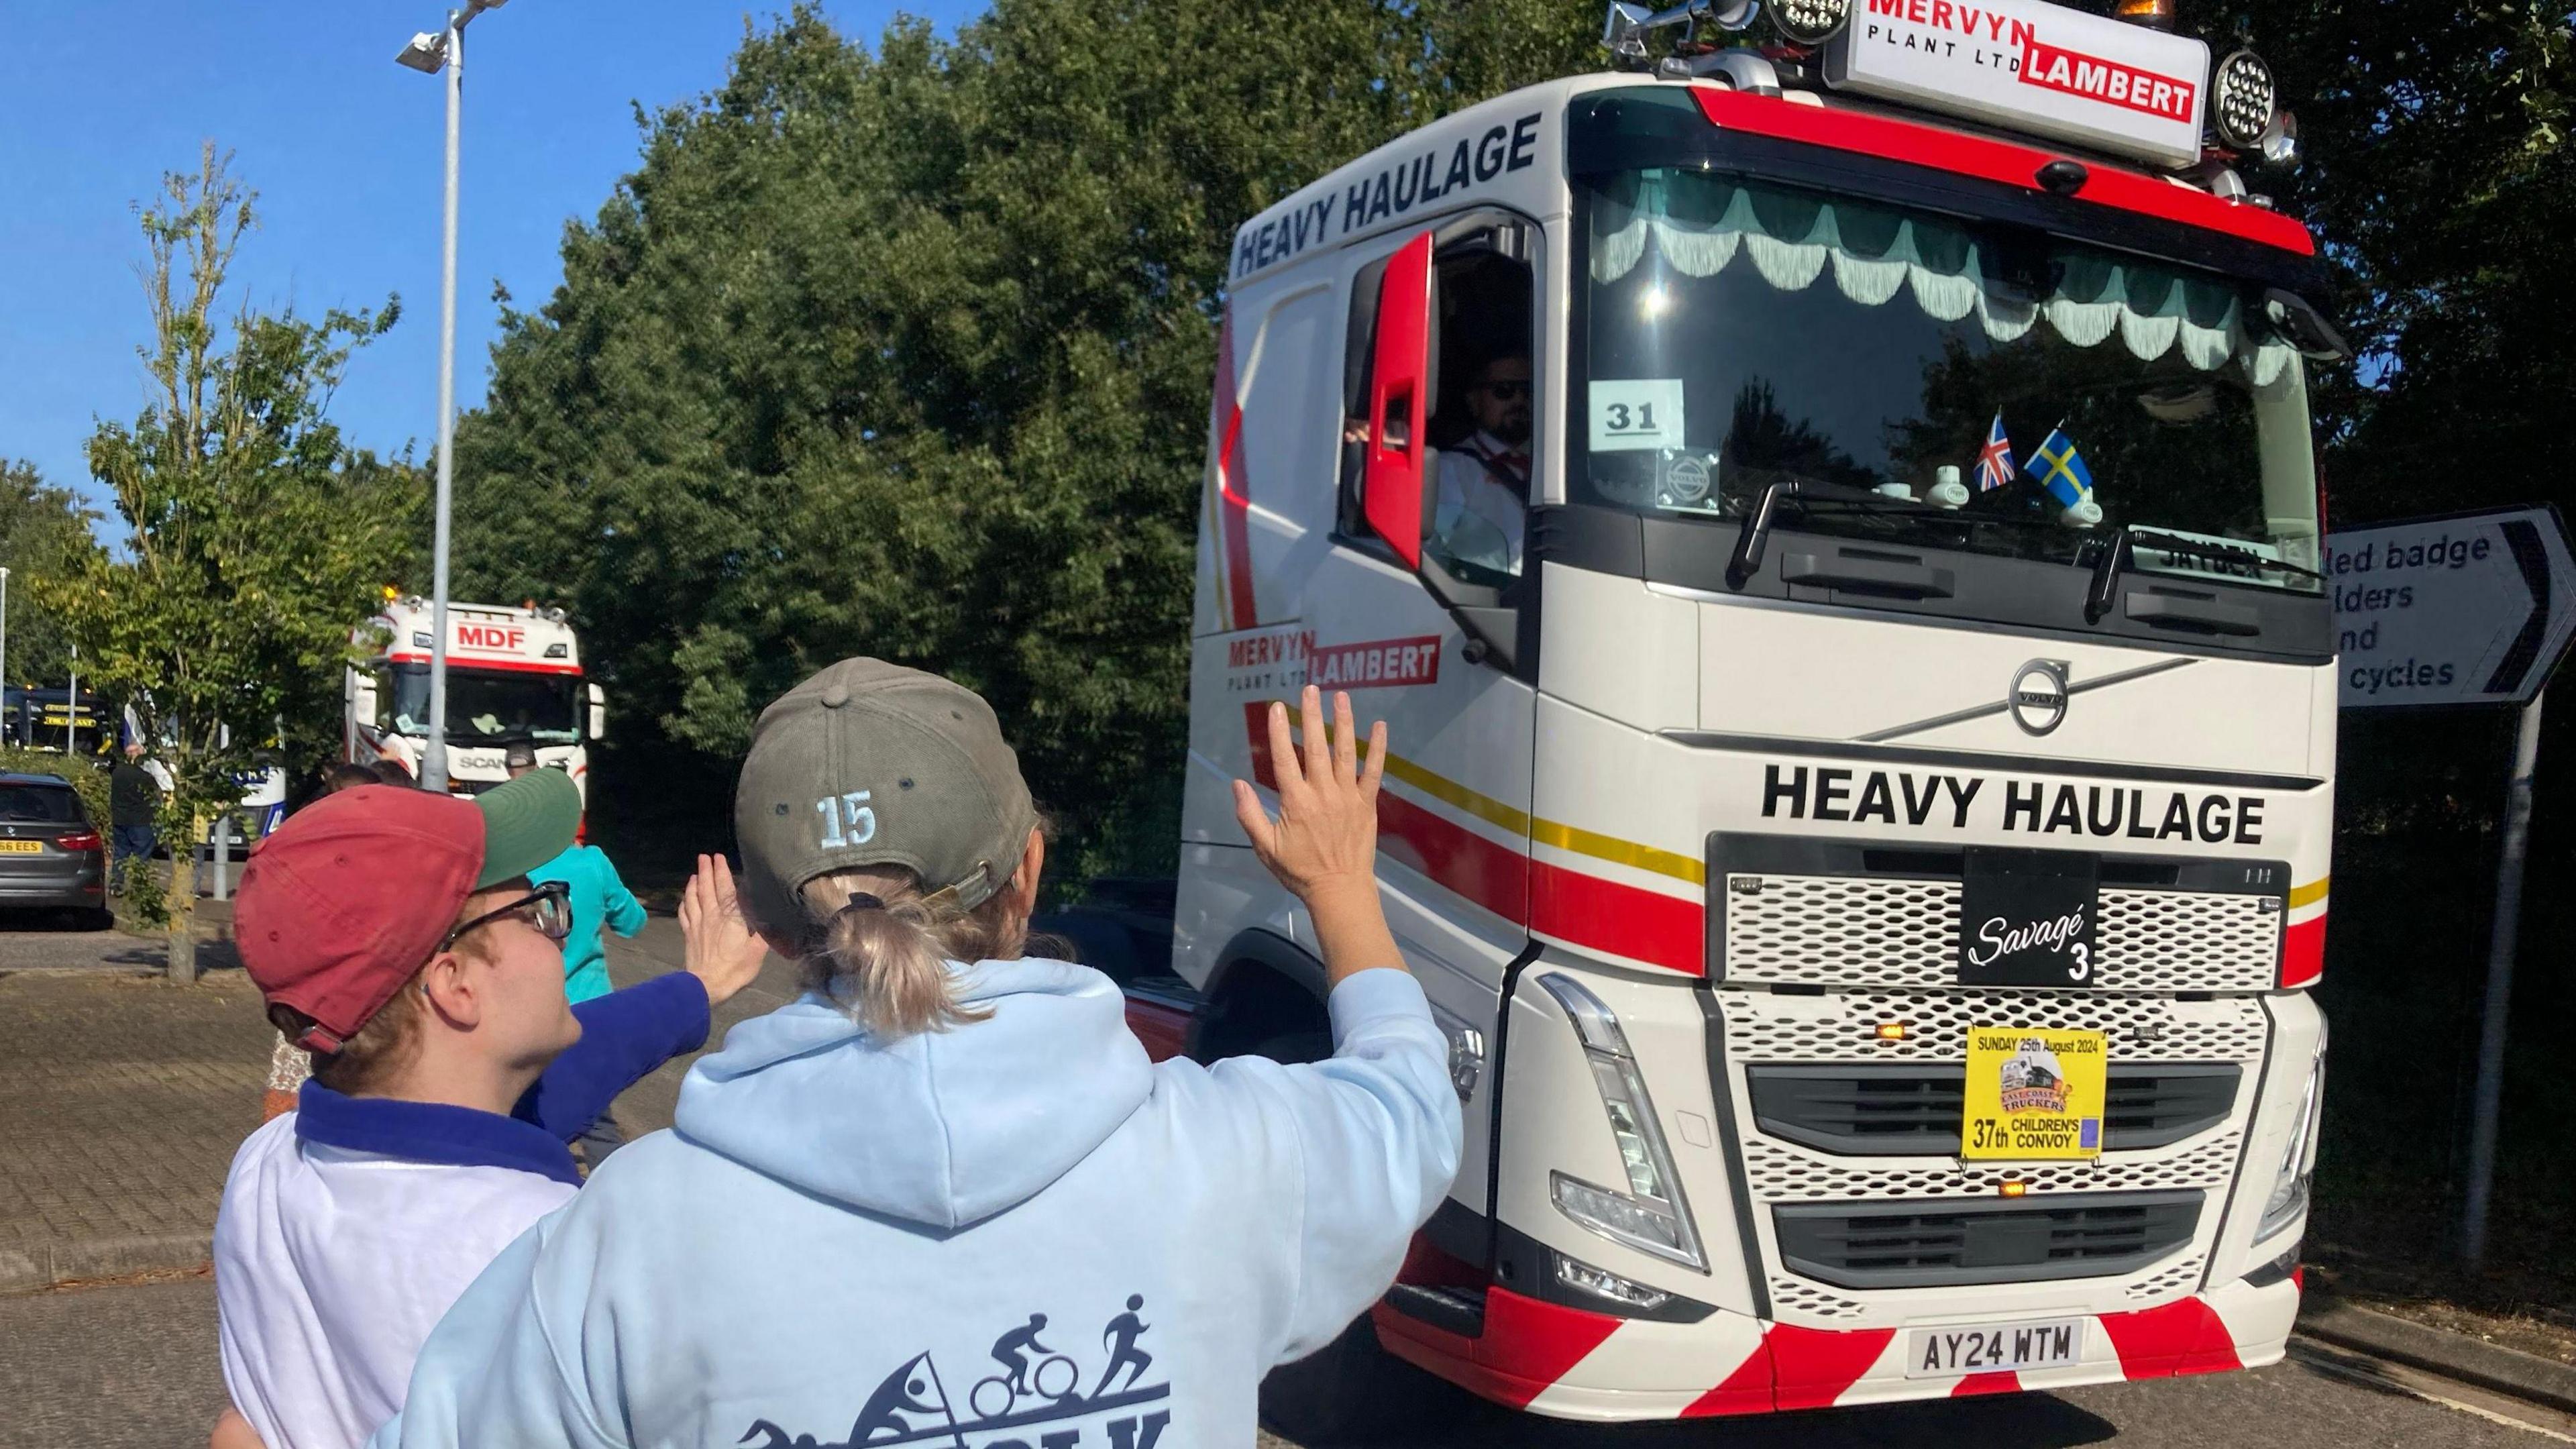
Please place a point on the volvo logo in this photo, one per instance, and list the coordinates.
(2038, 698)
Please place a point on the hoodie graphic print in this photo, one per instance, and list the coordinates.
(1016, 1232)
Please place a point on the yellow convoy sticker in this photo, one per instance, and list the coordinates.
(2033, 1094)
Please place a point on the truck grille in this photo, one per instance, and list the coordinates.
(1893, 1110)
(1835, 1121)
(1895, 932)
(1913, 1245)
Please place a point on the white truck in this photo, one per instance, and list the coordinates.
(513, 677)
(1863, 726)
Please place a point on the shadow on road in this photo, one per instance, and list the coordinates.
(1437, 1415)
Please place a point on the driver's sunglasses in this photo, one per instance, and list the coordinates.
(1506, 391)
(548, 908)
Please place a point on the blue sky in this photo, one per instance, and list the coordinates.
(98, 98)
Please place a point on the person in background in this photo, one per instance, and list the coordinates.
(950, 1153)
(346, 776)
(391, 771)
(600, 902)
(133, 804)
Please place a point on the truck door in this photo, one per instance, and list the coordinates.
(1414, 612)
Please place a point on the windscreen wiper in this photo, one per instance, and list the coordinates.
(1810, 493)
(2120, 541)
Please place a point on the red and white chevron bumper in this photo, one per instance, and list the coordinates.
(1572, 1364)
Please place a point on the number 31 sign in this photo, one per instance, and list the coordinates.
(1636, 413)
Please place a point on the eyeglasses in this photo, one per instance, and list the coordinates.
(1506, 391)
(548, 908)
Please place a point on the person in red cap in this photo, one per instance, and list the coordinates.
(395, 936)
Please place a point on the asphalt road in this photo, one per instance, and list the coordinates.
(134, 1368)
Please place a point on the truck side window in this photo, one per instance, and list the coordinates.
(1480, 421)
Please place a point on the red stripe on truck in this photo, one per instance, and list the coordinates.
(2303, 952)
(1992, 160)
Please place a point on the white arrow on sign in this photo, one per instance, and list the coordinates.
(2475, 608)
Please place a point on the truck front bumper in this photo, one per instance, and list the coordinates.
(1572, 1364)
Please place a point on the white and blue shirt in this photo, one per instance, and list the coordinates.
(350, 1225)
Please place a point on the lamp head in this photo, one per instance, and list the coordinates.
(427, 52)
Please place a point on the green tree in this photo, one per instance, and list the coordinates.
(258, 534)
(44, 534)
(907, 353)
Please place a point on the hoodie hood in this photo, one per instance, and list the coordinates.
(943, 1128)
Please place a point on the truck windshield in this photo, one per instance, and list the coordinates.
(487, 706)
(2004, 392)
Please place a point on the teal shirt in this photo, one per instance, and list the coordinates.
(599, 900)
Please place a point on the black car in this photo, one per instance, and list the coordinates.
(51, 853)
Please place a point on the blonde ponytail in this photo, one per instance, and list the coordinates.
(884, 955)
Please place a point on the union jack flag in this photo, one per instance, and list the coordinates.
(1995, 460)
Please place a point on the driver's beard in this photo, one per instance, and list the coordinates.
(1514, 428)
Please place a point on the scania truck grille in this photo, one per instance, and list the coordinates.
(1847, 1134)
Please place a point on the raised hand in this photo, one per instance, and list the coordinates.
(721, 951)
(1323, 844)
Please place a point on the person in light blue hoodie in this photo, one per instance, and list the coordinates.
(944, 1198)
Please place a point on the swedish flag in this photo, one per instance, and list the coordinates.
(2060, 469)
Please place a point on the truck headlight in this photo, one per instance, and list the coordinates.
(2298, 1168)
(1652, 1216)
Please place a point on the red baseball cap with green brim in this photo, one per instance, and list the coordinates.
(349, 897)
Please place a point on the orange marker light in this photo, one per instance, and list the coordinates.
(1891, 1031)
(2012, 1188)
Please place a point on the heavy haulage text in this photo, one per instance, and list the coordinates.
(1891, 797)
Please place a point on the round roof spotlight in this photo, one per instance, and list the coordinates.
(2241, 100)
(1810, 22)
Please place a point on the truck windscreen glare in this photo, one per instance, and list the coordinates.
(2006, 393)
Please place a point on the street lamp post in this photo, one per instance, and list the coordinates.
(431, 53)
(4, 657)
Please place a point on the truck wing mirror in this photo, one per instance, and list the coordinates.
(598, 713)
(1401, 379)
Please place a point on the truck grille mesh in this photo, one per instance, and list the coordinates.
(2145, 1032)
(1761, 1027)
(1781, 1173)
(1881, 931)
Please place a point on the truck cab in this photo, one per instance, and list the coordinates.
(1829, 520)
(514, 676)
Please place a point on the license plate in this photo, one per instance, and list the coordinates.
(22, 847)
(2026, 917)
(1938, 1353)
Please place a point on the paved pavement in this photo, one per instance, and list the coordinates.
(122, 1097)
(134, 1368)
(121, 1100)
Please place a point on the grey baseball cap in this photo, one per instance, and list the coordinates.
(870, 763)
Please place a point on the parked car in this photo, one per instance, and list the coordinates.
(51, 852)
